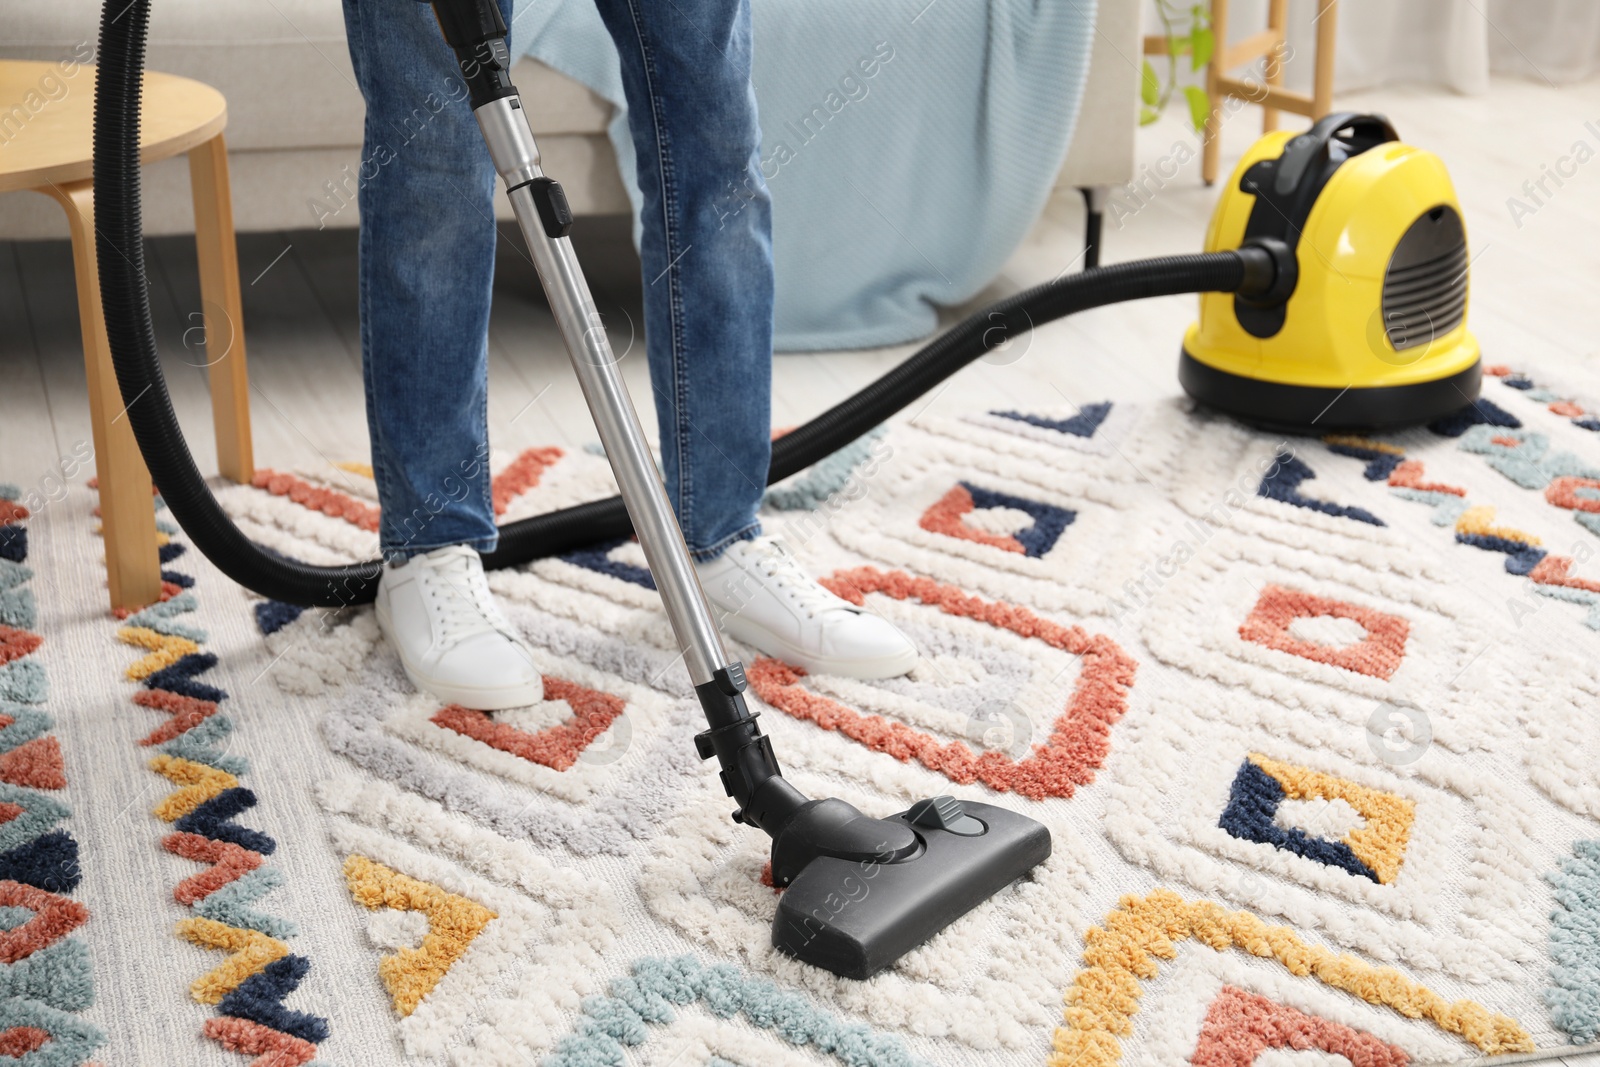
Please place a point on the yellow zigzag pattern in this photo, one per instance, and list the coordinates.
(199, 784)
(250, 950)
(1480, 520)
(165, 650)
(411, 973)
(1122, 954)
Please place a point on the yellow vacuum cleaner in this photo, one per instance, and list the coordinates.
(1372, 333)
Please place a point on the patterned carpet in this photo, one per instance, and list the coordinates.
(1315, 726)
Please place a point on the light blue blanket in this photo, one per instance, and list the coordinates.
(895, 194)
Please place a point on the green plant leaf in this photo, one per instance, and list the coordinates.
(1147, 115)
(1201, 44)
(1149, 85)
(1199, 106)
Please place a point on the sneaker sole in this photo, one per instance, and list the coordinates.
(479, 698)
(863, 668)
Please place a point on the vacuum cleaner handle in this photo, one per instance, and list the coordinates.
(1304, 155)
(475, 30)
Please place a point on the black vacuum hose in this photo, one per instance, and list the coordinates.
(123, 294)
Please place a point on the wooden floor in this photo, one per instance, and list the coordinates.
(1534, 302)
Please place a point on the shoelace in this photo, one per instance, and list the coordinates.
(457, 588)
(803, 591)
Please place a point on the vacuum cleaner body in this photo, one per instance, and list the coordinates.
(1374, 333)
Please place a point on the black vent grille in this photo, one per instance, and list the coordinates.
(1425, 287)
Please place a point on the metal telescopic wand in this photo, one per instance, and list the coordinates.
(477, 33)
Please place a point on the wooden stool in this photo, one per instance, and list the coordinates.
(51, 152)
(1272, 97)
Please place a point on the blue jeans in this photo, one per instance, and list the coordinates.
(427, 248)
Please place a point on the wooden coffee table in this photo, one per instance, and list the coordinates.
(47, 147)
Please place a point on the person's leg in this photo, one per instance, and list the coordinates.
(707, 256)
(427, 268)
(708, 290)
(427, 271)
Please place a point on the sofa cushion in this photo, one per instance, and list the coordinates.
(283, 66)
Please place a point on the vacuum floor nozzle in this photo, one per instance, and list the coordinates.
(856, 917)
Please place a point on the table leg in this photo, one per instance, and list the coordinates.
(1211, 150)
(220, 303)
(127, 512)
(1322, 78)
(1272, 72)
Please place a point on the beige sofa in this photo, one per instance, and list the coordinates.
(294, 125)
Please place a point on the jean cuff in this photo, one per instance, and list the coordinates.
(409, 549)
(706, 555)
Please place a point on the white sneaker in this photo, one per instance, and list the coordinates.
(774, 605)
(437, 612)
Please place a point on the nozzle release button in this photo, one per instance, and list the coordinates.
(730, 679)
(944, 813)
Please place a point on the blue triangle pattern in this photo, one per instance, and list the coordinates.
(13, 542)
(1479, 413)
(1253, 801)
(274, 615)
(598, 558)
(1282, 483)
(1379, 464)
(1049, 521)
(259, 998)
(48, 862)
(1083, 424)
(181, 678)
(214, 819)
